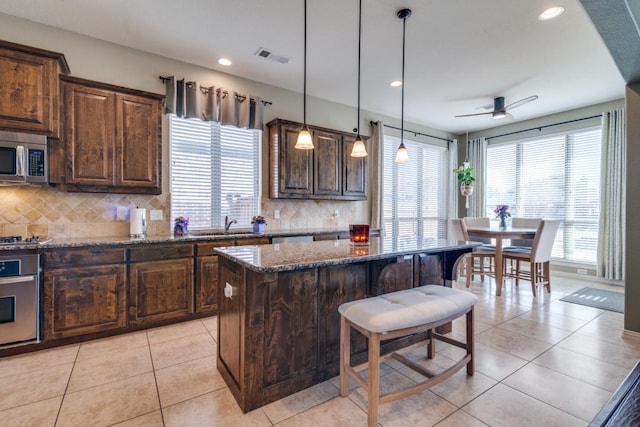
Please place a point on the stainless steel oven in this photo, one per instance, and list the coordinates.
(19, 299)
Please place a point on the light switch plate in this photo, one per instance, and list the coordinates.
(121, 213)
(276, 213)
(155, 215)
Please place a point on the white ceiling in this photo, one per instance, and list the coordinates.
(460, 54)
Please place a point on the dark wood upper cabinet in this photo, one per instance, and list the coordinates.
(29, 88)
(111, 139)
(326, 172)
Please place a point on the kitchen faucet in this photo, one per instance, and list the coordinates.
(227, 223)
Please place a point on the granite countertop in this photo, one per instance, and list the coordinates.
(191, 237)
(295, 256)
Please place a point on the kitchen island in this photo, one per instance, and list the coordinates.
(278, 306)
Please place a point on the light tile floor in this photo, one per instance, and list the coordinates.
(538, 362)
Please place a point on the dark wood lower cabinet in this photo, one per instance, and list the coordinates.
(84, 300)
(280, 332)
(160, 290)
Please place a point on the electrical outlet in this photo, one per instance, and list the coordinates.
(276, 214)
(155, 215)
(121, 213)
(336, 213)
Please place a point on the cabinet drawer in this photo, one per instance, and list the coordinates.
(86, 255)
(206, 248)
(252, 241)
(160, 252)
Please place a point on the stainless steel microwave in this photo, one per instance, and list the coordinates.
(23, 158)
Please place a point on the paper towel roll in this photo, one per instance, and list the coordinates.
(138, 222)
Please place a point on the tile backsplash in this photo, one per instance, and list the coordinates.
(48, 212)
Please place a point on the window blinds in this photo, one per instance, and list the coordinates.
(414, 193)
(554, 177)
(215, 172)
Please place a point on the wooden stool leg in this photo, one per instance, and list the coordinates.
(431, 345)
(345, 357)
(470, 349)
(374, 379)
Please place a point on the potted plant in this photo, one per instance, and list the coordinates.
(466, 179)
(259, 223)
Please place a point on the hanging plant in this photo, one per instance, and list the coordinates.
(466, 179)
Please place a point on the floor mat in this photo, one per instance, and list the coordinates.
(598, 298)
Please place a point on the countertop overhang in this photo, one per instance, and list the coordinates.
(296, 256)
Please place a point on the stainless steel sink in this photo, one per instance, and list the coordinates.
(231, 233)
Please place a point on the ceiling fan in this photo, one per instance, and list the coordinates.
(499, 110)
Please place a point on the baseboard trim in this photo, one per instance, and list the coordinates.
(632, 335)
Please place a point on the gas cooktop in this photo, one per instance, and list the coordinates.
(18, 240)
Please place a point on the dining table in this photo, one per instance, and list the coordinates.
(498, 234)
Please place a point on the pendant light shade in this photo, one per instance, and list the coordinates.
(359, 150)
(304, 137)
(402, 156)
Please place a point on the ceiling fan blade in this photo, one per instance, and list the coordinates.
(521, 102)
(474, 114)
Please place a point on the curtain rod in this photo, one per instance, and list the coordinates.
(415, 133)
(539, 128)
(204, 90)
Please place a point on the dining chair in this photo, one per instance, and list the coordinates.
(478, 262)
(471, 222)
(538, 257)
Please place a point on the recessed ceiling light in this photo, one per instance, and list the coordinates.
(395, 83)
(224, 61)
(552, 12)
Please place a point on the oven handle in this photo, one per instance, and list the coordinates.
(16, 279)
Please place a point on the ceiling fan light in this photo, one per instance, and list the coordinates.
(402, 156)
(358, 149)
(499, 114)
(396, 83)
(552, 12)
(304, 140)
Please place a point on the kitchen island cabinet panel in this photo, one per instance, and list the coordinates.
(84, 300)
(160, 290)
(279, 321)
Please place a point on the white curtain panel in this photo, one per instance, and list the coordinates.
(611, 247)
(478, 159)
(375, 176)
(452, 200)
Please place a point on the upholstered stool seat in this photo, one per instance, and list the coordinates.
(399, 314)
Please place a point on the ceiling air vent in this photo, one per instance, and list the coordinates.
(269, 54)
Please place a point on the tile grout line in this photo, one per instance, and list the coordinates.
(155, 379)
(66, 387)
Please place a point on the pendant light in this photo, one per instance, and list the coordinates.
(359, 149)
(401, 155)
(304, 137)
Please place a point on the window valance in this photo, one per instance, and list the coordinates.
(225, 106)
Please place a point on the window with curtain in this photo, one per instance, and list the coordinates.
(415, 193)
(215, 172)
(552, 177)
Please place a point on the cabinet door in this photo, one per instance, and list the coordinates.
(138, 142)
(160, 290)
(89, 135)
(84, 300)
(327, 178)
(354, 185)
(340, 284)
(207, 284)
(28, 92)
(293, 168)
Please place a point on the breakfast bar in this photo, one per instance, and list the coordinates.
(279, 326)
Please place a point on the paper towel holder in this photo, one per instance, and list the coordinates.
(138, 223)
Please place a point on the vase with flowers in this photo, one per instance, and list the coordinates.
(259, 223)
(180, 226)
(502, 212)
